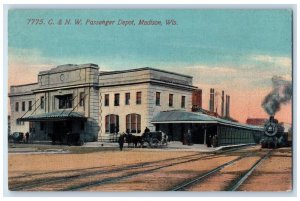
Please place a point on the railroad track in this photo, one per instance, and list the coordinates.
(119, 178)
(77, 173)
(239, 181)
(151, 165)
(235, 184)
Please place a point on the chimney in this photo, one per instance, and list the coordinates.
(227, 106)
(222, 105)
(212, 100)
(197, 98)
(228, 112)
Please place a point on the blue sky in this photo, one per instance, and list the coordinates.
(214, 46)
(206, 36)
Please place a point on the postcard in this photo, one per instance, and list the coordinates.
(150, 100)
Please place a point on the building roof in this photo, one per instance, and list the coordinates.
(54, 116)
(256, 121)
(181, 116)
(68, 67)
(141, 69)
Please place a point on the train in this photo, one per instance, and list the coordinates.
(274, 135)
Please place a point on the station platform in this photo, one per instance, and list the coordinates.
(172, 146)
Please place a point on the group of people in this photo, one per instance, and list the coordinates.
(212, 140)
(23, 139)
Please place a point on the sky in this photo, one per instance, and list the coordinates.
(238, 51)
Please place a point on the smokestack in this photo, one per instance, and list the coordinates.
(212, 100)
(281, 94)
(227, 106)
(222, 105)
(228, 112)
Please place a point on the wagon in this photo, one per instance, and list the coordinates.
(154, 139)
(16, 137)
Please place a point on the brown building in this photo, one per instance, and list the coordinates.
(197, 98)
(256, 121)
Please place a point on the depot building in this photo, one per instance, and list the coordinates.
(97, 105)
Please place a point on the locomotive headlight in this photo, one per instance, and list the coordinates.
(270, 129)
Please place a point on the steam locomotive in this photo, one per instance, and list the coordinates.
(274, 136)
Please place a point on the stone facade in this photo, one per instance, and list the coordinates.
(110, 101)
(70, 81)
(148, 82)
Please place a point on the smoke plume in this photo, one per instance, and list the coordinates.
(281, 94)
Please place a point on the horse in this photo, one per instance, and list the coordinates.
(129, 138)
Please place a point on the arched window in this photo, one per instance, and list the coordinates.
(133, 123)
(112, 123)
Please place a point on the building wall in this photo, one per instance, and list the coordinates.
(164, 102)
(24, 126)
(123, 109)
(147, 109)
(61, 80)
(75, 79)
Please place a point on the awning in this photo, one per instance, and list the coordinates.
(181, 116)
(55, 116)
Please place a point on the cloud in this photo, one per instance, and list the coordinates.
(284, 62)
(211, 69)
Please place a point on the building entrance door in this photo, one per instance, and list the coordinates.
(60, 130)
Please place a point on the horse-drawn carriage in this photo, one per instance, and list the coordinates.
(148, 139)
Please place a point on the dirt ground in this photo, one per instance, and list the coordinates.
(22, 164)
(275, 174)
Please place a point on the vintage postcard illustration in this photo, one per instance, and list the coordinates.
(150, 100)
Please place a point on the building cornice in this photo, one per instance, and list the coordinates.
(154, 82)
(141, 69)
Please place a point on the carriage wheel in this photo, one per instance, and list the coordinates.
(155, 142)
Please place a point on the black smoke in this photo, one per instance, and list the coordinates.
(281, 94)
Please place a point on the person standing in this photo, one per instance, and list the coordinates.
(147, 130)
(189, 137)
(26, 137)
(121, 142)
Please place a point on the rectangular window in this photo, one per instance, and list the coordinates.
(30, 105)
(117, 99)
(17, 107)
(82, 99)
(23, 105)
(31, 127)
(107, 123)
(65, 101)
(138, 98)
(170, 100)
(133, 124)
(128, 130)
(157, 98)
(138, 118)
(127, 98)
(18, 122)
(106, 100)
(182, 101)
(42, 102)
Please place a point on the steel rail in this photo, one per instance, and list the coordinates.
(200, 178)
(245, 176)
(42, 181)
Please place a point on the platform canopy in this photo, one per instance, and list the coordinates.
(181, 116)
(55, 116)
